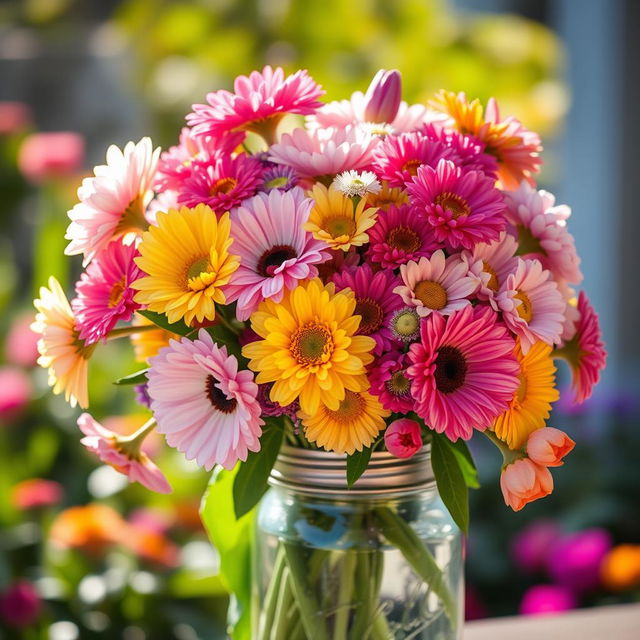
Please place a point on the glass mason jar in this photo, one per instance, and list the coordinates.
(379, 561)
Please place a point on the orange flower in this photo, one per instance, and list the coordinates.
(152, 546)
(621, 567)
(524, 481)
(547, 446)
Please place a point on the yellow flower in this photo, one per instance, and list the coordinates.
(187, 261)
(310, 350)
(61, 351)
(387, 196)
(335, 221)
(147, 344)
(353, 425)
(531, 404)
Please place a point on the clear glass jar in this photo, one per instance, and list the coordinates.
(379, 561)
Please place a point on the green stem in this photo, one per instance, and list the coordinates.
(123, 332)
(381, 629)
(348, 564)
(271, 597)
(508, 455)
(365, 602)
(285, 597)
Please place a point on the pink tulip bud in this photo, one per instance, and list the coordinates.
(43, 156)
(524, 481)
(383, 96)
(547, 446)
(403, 438)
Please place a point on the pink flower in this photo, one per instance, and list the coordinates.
(390, 383)
(15, 392)
(524, 481)
(382, 99)
(206, 407)
(104, 293)
(34, 493)
(47, 156)
(21, 346)
(463, 372)
(403, 438)
(123, 453)
(20, 605)
(547, 446)
(545, 599)
(530, 547)
(14, 117)
(461, 205)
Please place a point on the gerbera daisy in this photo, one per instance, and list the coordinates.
(405, 324)
(61, 350)
(148, 343)
(279, 177)
(354, 424)
(398, 236)
(356, 183)
(389, 382)
(585, 352)
(463, 372)
(335, 220)
(463, 207)
(309, 347)
(436, 284)
(207, 409)
(259, 103)
(374, 303)
(274, 250)
(531, 305)
(113, 203)
(387, 197)
(530, 406)
(104, 293)
(187, 263)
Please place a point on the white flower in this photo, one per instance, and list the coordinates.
(356, 183)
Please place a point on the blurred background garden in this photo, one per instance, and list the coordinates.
(85, 555)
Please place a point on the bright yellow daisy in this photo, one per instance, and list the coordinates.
(531, 404)
(336, 221)
(309, 348)
(61, 351)
(187, 261)
(148, 343)
(353, 425)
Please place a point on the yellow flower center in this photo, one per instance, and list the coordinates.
(350, 409)
(492, 283)
(432, 294)
(521, 393)
(454, 203)
(525, 311)
(398, 384)
(116, 292)
(311, 344)
(337, 226)
(404, 239)
(280, 181)
(224, 185)
(411, 166)
(371, 314)
(198, 276)
(450, 370)
(406, 324)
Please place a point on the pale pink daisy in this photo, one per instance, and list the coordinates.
(207, 409)
(531, 305)
(436, 284)
(114, 201)
(103, 294)
(123, 453)
(389, 382)
(571, 313)
(463, 373)
(462, 206)
(275, 252)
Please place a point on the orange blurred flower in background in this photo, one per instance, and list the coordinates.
(621, 567)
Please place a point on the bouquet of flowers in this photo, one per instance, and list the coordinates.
(351, 276)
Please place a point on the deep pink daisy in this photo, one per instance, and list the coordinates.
(275, 251)
(463, 373)
(400, 235)
(375, 302)
(390, 383)
(463, 207)
(103, 294)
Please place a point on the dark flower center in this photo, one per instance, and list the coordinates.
(404, 239)
(454, 203)
(398, 384)
(270, 260)
(371, 313)
(451, 369)
(218, 399)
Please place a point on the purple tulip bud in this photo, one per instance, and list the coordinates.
(547, 598)
(383, 96)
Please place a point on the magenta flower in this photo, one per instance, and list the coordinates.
(530, 547)
(389, 381)
(403, 438)
(545, 599)
(20, 605)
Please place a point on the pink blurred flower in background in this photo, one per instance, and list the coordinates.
(47, 156)
(14, 117)
(545, 599)
(20, 604)
(530, 547)
(21, 345)
(36, 492)
(403, 438)
(15, 392)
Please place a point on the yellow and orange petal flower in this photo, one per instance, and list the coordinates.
(309, 348)
(387, 196)
(335, 221)
(61, 351)
(187, 261)
(531, 405)
(147, 344)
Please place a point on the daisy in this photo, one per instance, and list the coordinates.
(530, 406)
(405, 325)
(354, 424)
(436, 284)
(389, 382)
(187, 263)
(279, 177)
(339, 261)
(104, 293)
(356, 183)
(309, 347)
(113, 203)
(398, 236)
(531, 305)
(374, 303)
(274, 250)
(387, 197)
(463, 372)
(61, 350)
(335, 220)
(462, 206)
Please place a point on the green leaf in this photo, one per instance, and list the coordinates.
(467, 465)
(250, 483)
(139, 377)
(161, 320)
(450, 480)
(356, 465)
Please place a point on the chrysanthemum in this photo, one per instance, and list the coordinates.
(530, 406)
(542, 231)
(375, 304)
(207, 409)
(398, 236)
(274, 250)
(335, 220)
(148, 343)
(463, 207)
(585, 352)
(388, 197)
(356, 183)
(531, 305)
(354, 424)
(436, 284)
(104, 293)
(61, 350)
(187, 263)
(258, 103)
(463, 372)
(389, 382)
(280, 178)
(309, 347)
(113, 202)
